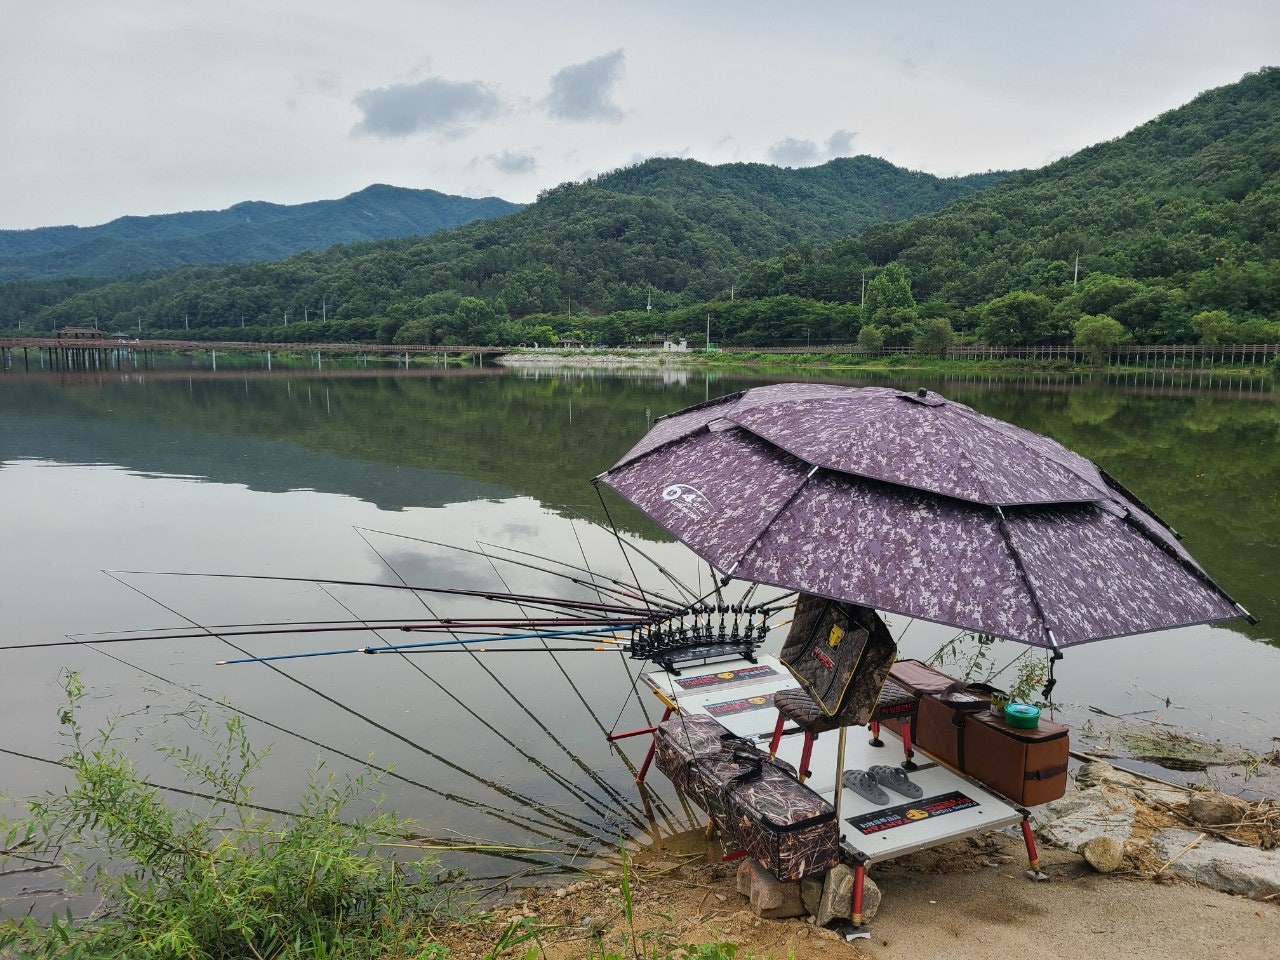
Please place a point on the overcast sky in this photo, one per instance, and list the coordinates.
(114, 107)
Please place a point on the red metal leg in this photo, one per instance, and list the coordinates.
(907, 750)
(1032, 856)
(777, 735)
(859, 882)
(874, 728)
(648, 757)
(802, 773)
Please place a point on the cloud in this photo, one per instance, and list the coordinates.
(840, 143)
(433, 105)
(790, 152)
(794, 153)
(584, 91)
(514, 163)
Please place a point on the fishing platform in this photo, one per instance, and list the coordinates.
(739, 694)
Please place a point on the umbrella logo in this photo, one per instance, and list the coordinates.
(687, 500)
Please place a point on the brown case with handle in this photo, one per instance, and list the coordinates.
(1028, 767)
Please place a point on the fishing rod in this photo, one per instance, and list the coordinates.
(594, 584)
(460, 625)
(491, 595)
(555, 777)
(609, 789)
(539, 826)
(642, 594)
(574, 825)
(399, 647)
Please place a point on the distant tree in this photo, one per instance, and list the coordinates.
(1215, 326)
(889, 293)
(870, 339)
(1098, 333)
(1015, 319)
(934, 336)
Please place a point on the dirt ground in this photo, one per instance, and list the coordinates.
(966, 901)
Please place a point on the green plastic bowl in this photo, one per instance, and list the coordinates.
(1022, 715)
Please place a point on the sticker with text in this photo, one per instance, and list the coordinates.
(878, 821)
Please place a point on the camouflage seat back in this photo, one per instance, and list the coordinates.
(841, 655)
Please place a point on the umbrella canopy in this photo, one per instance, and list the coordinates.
(916, 505)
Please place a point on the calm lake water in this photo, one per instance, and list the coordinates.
(360, 476)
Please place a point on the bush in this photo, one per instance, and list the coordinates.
(217, 878)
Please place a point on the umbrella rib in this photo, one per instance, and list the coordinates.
(1022, 572)
(765, 526)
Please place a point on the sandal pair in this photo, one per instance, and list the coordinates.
(869, 783)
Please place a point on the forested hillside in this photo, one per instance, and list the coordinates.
(246, 232)
(664, 234)
(1168, 234)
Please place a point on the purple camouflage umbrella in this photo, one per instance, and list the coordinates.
(916, 505)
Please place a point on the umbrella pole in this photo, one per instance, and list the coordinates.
(839, 787)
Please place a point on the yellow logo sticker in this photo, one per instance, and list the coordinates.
(836, 635)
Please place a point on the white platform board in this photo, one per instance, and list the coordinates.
(739, 695)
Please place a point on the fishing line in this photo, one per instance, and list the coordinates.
(599, 780)
(513, 795)
(564, 783)
(572, 789)
(508, 817)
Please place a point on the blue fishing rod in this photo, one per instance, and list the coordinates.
(394, 648)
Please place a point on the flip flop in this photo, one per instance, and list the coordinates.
(896, 780)
(864, 785)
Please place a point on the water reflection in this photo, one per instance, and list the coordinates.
(305, 475)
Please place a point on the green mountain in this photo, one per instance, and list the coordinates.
(1178, 217)
(243, 233)
(664, 234)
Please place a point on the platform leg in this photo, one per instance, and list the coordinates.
(1033, 858)
(777, 735)
(907, 750)
(874, 727)
(859, 883)
(648, 757)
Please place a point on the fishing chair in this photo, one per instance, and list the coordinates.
(841, 655)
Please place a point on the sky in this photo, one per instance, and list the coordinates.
(129, 107)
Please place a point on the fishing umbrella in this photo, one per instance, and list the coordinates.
(914, 504)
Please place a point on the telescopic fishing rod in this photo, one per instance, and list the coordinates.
(397, 648)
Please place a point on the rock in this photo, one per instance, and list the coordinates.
(1223, 866)
(811, 893)
(1100, 773)
(1103, 853)
(771, 898)
(830, 896)
(1100, 811)
(1214, 808)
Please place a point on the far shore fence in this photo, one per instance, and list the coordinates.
(1125, 354)
(1187, 355)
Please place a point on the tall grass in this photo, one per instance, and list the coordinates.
(217, 878)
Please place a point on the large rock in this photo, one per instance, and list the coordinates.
(1104, 854)
(771, 898)
(1100, 773)
(1214, 808)
(830, 896)
(1080, 817)
(1223, 866)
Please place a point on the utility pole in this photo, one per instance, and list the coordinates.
(1076, 281)
(708, 349)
